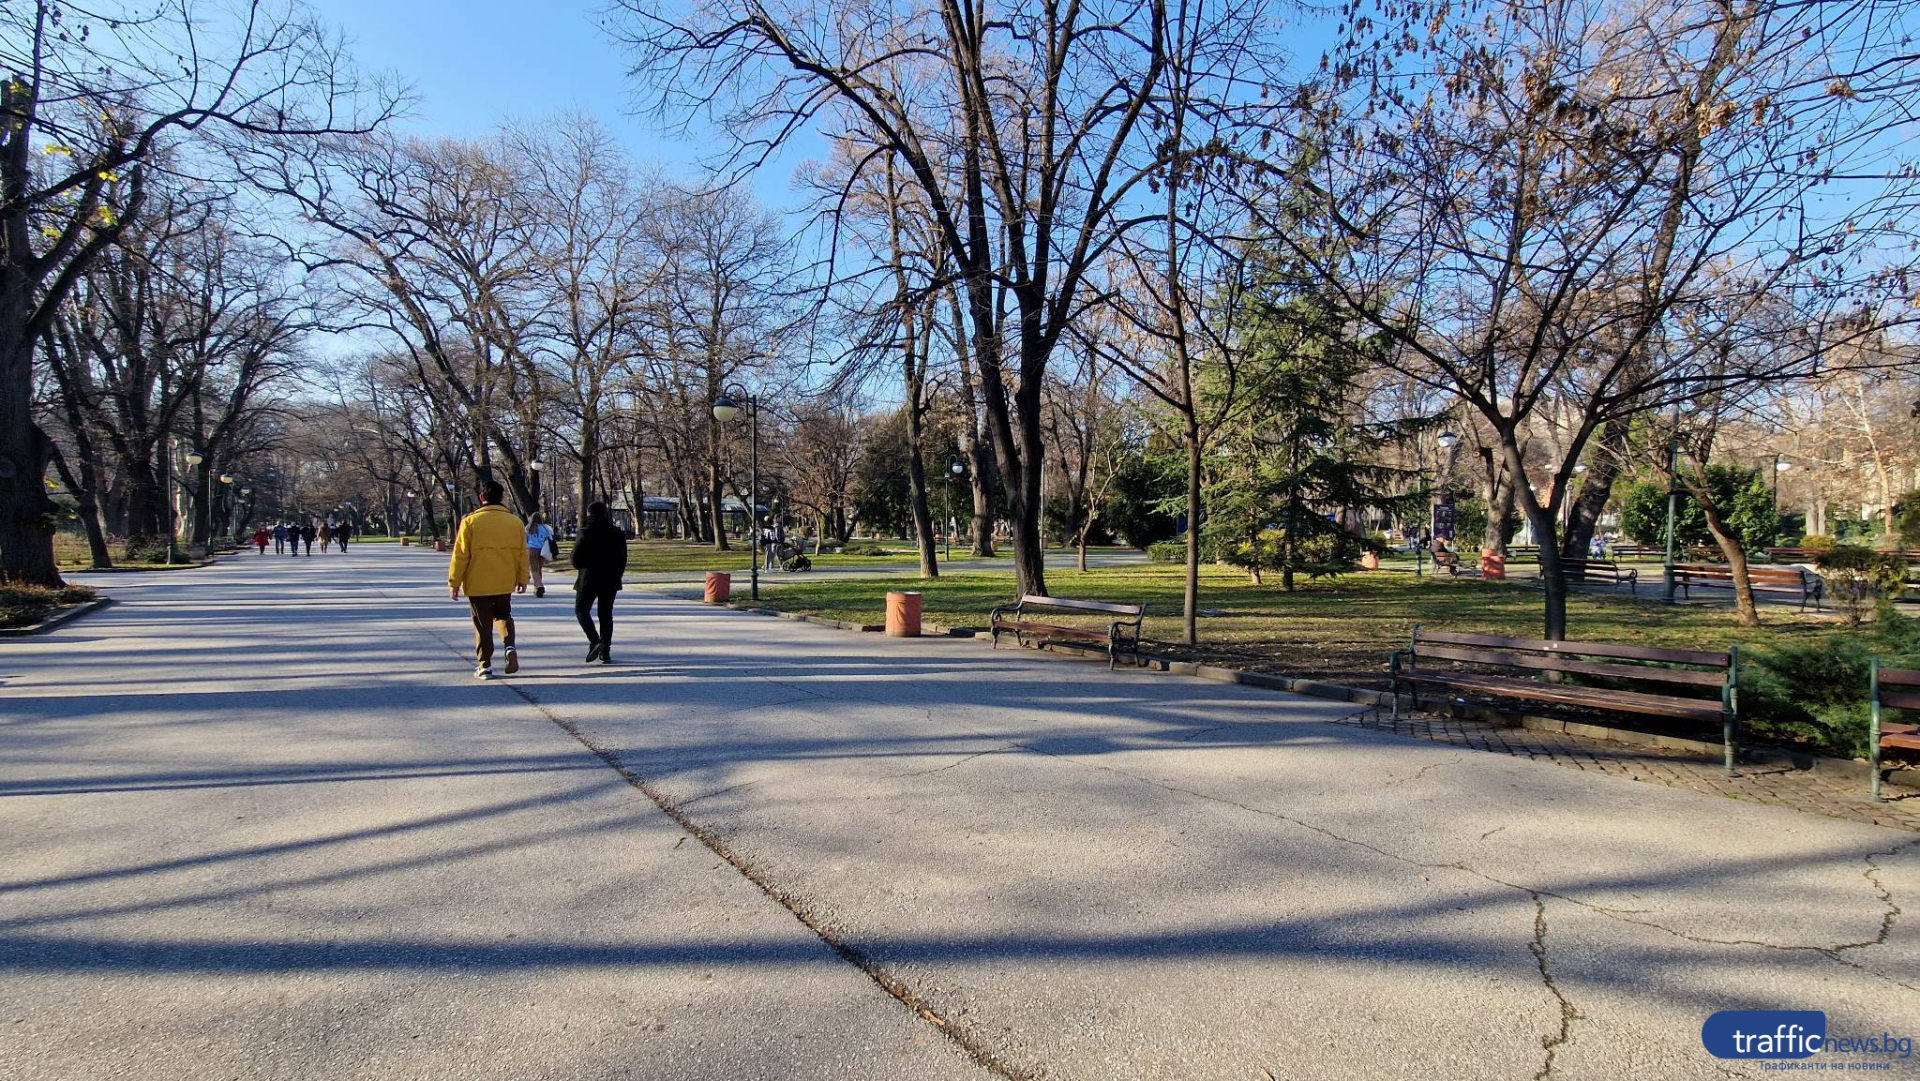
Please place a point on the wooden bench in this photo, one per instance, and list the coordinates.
(1601, 570)
(1521, 659)
(1449, 559)
(1893, 688)
(1636, 551)
(1787, 579)
(1014, 617)
(1517, 553)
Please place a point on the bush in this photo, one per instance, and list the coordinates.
(864, 550)
(22, 605)
(1818, 541)
(1814, 694)
(1171, 551)
(1317, 555)
(1857, 578)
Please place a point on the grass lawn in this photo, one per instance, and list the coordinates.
(663, 557)
(1341, 628)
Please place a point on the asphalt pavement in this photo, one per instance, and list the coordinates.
(257, 820)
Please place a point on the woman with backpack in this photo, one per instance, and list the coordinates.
(539, 547)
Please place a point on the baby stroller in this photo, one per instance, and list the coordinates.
(791, 558)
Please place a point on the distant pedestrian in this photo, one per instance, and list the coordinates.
(307, 533)
(260, 539)
(599, 561)
(341, 533)
(279, 538)
(326, 536)
(539, 547)
(490, 564)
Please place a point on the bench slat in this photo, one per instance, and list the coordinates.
(1900, 677)
(1051, 628)
(1900, 699)
(1087, 606)
(1584, 649)
(1902, 740)
(1630, 701)
(1550, 663)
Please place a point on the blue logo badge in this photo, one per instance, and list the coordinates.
(1764, 1033)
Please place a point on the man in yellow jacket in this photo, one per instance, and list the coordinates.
(490, 563)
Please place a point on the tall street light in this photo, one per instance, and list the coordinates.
(226, 480)
(954, 469)
(725, 408)
(1780, 465)
(1447, 442)
(1673, 498)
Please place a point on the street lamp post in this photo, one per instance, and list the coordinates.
(1447, 442)
(725, 408)
(954, 469)
(226, 499)
(1673, 498)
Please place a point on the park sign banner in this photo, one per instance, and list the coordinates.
(1443, 520)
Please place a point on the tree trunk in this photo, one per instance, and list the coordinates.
(1190, 623)
(1584, 516)
(1553, 579)
(1735, 552)
(1499, 503)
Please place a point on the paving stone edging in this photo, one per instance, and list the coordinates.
(1765, 756)
(58, 619)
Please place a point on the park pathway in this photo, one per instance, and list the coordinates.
(258, 821)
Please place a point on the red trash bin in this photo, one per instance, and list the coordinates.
(719, 587)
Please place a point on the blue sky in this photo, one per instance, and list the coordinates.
(476, 63)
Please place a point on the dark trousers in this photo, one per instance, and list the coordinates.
(486, 612)
(582, 601)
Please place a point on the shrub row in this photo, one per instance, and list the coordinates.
(23, 605)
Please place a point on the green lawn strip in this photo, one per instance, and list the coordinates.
(1328, 628)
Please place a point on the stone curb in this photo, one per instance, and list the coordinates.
(1766, 756)
(58, 619)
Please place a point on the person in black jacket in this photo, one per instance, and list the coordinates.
(599, 560)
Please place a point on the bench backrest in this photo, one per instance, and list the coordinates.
(1899, 688)
(1084, 606)
(1710, 669)
(1794, 576)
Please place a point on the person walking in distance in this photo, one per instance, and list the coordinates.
(539, 543)
(326, 535)
(307, 533)
(341, 533)
(599, 561)
(279, 538)
(490, 564)
(260, 538)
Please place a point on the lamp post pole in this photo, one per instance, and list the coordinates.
(1673, 497)
(725, 408)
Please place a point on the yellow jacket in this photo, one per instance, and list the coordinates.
(489, 553)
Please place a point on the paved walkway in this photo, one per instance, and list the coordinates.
(258, 821)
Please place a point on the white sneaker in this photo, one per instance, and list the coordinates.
(482, 672)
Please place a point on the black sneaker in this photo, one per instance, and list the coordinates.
(593, 653)
(540, 591)
(606, 655)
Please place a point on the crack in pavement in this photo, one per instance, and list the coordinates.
(718, 792)
(1421, 772)
(942, 769)
(1568, 1015)
(1491, 832)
